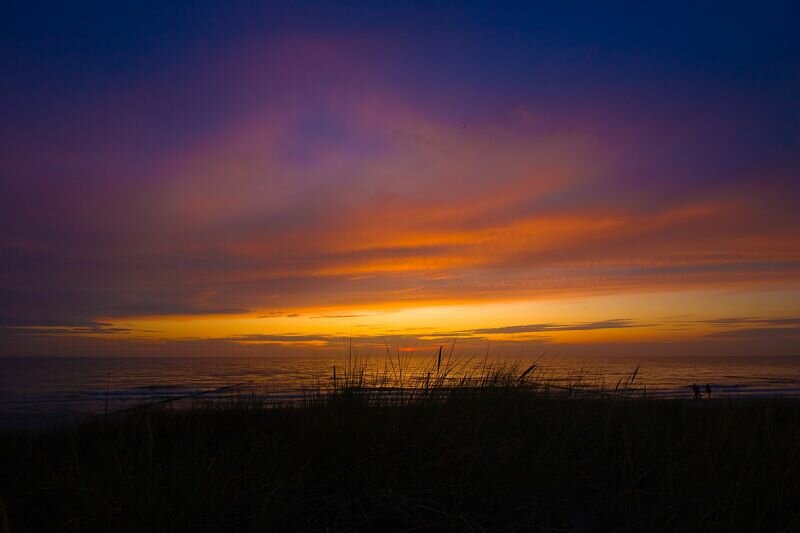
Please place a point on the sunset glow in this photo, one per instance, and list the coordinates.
(299, 187)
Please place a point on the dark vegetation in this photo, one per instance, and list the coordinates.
(497, 452)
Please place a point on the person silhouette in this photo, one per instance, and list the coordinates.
(708, 390)
(696, 390)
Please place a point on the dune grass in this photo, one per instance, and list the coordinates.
(498, 448)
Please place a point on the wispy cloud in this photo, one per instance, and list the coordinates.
(340, 316)
(298, 188)
(280, 338)
(749, 321)
(615, 323)
(87, 328)
(784, 333)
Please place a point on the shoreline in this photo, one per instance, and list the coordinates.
(500, 457)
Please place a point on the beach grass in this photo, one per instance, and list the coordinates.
(498, 448)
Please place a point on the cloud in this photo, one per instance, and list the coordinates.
(280, 338)
(775, 333)
(435, 337)
(86, 328)
(615, 323)
(763, 321)
(311, 181)
(341, 316)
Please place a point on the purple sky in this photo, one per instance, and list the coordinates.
(198, 179)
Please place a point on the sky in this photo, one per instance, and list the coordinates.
(248, 178)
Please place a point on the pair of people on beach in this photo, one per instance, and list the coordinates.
(696, 389)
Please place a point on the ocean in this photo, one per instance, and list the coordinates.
(37, 392)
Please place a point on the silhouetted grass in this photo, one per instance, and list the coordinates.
(493, 449)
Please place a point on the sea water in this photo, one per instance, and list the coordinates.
(52, 390)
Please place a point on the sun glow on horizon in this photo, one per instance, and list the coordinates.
(293, 187)
(592, 319)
